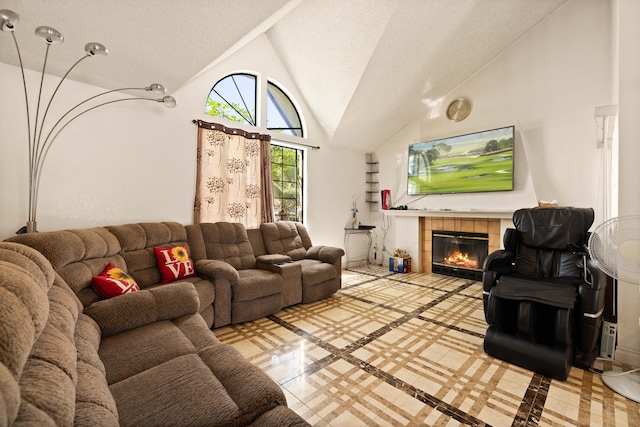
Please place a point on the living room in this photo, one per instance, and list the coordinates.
(134, 163)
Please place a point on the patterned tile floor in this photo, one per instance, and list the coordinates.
(406, 350)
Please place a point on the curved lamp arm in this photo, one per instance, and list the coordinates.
(91, 49)
(168, 101)
(153, 88)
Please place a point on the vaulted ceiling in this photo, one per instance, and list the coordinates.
(366, 68)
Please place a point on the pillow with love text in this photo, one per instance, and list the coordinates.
(174, 263)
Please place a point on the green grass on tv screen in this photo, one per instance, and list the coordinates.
(465, 174)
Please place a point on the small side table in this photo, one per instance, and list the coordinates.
(362, 231)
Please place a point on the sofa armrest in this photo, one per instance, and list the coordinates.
(271, 259)
(215, 269)
(328, 254)
(132, 310)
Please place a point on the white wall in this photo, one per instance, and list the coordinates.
(547, 85)
(627, 76)
(135, 162)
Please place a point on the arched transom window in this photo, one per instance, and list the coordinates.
(235, 97)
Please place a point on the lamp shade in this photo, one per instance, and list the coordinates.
(50, 35)
(156, 88)
(169, 101)
(9, 20)
(95, 49)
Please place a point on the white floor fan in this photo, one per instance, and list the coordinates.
(615, 247)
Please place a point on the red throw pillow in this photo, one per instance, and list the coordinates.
(174, 263)
(113, 282)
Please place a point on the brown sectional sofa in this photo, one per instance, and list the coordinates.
(147, 358)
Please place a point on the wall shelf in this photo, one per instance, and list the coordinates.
(372, 196)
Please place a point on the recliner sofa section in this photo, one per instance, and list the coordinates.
(320, 266)
(222, 252)
(257, 272)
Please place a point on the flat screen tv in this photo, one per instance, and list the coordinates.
(476, 162)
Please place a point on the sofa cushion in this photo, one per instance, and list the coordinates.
(25, 279)
(113, 282)
(222, 241)
(304, 234)
(280, 416)
(94, 402)
(248, 386)
(314, 272)
(77, 256)
(325, 253)
(147, 345)
(138, 240)
(48, 380)
(143, 307)
(174, 263)
(169, 393)
(282, 238)
(254, 284)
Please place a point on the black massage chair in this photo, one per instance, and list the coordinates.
(543, 297)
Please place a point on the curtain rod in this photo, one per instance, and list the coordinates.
(313, 147)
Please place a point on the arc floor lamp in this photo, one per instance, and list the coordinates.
(41, 140)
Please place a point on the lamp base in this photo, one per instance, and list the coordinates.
(32, 227)
(624, 383)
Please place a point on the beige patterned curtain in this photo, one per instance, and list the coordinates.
(233, 181)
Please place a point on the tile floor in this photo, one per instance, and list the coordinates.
(405, 350)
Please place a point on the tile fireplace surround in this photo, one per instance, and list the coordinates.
(413, 228)
(468, 225)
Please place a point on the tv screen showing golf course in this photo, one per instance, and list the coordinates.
(476, 162)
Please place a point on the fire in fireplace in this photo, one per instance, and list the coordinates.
(459, 254)
(459, 259)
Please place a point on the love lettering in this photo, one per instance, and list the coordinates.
(176, 267)
(121, 284)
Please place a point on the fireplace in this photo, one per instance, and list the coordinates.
(458, 253)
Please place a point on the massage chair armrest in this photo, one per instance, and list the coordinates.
(592, 291)
(216, 269)
(497, 263)
(500, 261)
(595, 277)
(327, 254)
(135, 309)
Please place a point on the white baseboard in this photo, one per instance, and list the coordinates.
(630, 356)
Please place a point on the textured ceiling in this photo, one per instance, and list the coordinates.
(366, 68)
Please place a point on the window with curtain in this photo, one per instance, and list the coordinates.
(234, 97)
(233, 181)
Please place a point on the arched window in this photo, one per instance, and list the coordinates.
(282, 115)
(234, 98)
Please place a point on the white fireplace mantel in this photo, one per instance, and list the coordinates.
(450, 213)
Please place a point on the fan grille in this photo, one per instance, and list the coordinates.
(615, 247)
